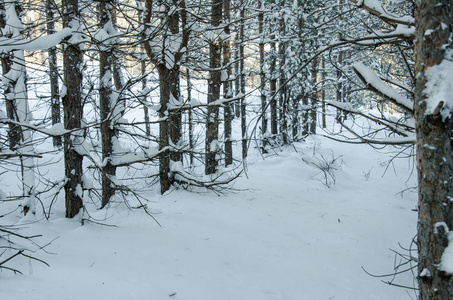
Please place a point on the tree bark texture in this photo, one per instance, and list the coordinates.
(190, 117)
(169, 125)
(53, 72)
(313, 97)
(167, 62)
(107, 108)
(14, 131)
(273, 87)
(282, 100)
(263, 90)
(339, 86)
(214, 83)
(434, 153)
(227, 86)
(73, 113)
(242, 80)
(323, 93)
(164, 132)
(145, 101)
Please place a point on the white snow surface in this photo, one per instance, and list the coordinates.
(285, 235)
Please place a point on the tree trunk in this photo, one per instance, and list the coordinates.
(305, 115)
(282, 78)
(170, 124)
(314, 97)
(53, 72)
(190, 117)
(242, 80)
(164, 132)
(212, 120)
(262, 76)
(145, 107)
(73, 113)
(295, 116)
(323, 93)
(167, 61)
(273, 87)
(227, 86)
(339, 85)
(14, 131)
(434, 152)
(237, 70)
(108, 104)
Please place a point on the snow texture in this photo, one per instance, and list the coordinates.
(446, 263)
(439, 88)
(284, 235)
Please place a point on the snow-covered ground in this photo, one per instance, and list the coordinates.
(282, 235)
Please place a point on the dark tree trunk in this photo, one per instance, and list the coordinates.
(190, 117)
(14, 131)
(212, 120)
(339, 85)
(144, 83)
(295, 117)
(164, 132)
(262, 76)
(323, 94)
(227, 87)
(107, 108)
(273, 88)
(237, 70)
(170, 124)
(53, 72)
(434, 153)
(73, 113)
(305, 115)
(168, 68)
(145, 107)
(242, 80)
(282, 78)
(175, 117)
(314, 97)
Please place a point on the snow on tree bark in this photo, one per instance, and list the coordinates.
(434, 151)
(227, 86)
(107, 101)
(167, 60)
(263, 91)
(214, 82)
(14, 131)
(73, 111)
(242, 4)
(53, 71)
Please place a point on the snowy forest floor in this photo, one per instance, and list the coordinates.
(283, 235)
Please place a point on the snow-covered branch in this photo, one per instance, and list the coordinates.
(375, 8)
(375, 84)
